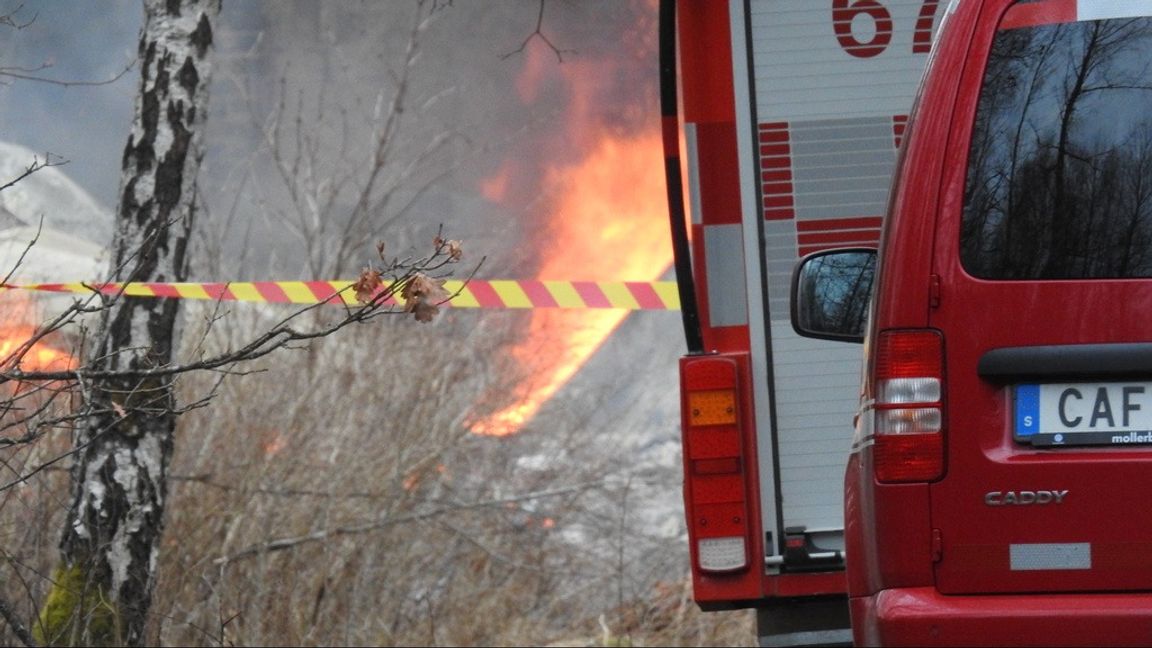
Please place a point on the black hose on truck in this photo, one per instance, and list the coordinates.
(670, 122)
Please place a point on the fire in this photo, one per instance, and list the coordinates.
(19, 309)
(608, 223)
(495, 188)
(41, 357)
(272, 442)
(416, 475)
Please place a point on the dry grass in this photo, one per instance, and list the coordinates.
(336, 499)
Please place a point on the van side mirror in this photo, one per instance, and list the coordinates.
(831, 292)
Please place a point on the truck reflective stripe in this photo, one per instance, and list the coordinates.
(899, 125)
(693, 154)
(776, 171)
(719, 173)
(724, 249)
(815, 235)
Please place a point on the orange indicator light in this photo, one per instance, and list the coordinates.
(714, 407)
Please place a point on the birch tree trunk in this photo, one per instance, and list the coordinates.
(103, 587)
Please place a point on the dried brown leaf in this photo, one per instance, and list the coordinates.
(421, 287)
(421, 294)
(367, 285)
(424, 312)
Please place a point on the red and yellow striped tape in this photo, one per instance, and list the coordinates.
(476, 293)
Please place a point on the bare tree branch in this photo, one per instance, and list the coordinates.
(280, 544)
(16, 624)
(283, 335)
(30, 74)
(9, 19)
(34, 167)
(279, 336)
(539, 33)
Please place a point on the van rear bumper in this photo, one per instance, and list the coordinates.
(924, 617)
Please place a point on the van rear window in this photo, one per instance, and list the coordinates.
(1059, 181)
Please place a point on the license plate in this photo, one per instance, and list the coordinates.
(1070, 414)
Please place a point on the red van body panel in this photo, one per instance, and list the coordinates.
(879, 518)
(1016, 544)
(924, 617)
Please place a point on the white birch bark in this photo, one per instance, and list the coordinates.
(113, 531)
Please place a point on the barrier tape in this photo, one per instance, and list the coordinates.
(477, 293)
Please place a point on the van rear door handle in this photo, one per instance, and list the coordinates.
(1067, 361)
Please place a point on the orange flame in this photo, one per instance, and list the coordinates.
(19, 309)
(272, 442)
(41, 357)
(609, 224)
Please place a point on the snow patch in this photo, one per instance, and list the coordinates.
(71, 242)
(51, 194)
(56, 257)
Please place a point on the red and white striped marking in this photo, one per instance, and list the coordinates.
(776, 171)
(780, 201)
(816, 235)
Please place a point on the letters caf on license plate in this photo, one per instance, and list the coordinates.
(1067, 414)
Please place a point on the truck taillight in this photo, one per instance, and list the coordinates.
(909, 408)
(716, 499)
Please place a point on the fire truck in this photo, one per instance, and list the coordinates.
(782, 120)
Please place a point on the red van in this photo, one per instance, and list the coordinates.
(999, 490)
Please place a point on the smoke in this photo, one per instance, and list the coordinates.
(72, 40)
(531, 141)
(332, 65)
(337, 68)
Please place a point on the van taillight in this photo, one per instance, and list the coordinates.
(714, 480)
(909, 408)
